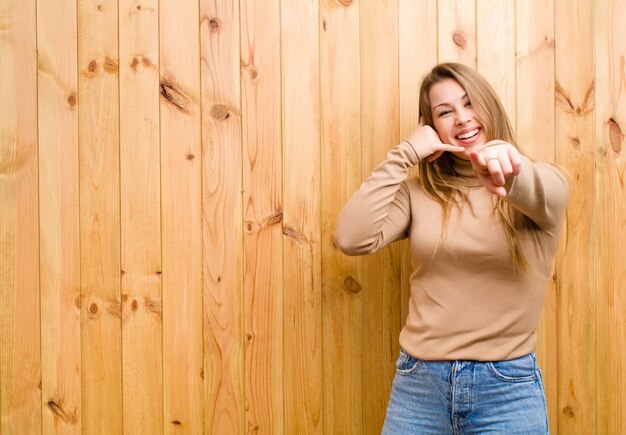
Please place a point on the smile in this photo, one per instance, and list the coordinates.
(468, 135)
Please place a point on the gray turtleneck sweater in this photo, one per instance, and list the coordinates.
(467, 301)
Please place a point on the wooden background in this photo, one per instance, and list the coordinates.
(170, 177)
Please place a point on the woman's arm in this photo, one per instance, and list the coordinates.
(538, 190)
(379, 212)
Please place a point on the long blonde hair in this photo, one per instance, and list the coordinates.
(436, 177)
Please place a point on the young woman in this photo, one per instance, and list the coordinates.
(483, 222)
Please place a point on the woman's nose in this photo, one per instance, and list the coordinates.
(463, 117)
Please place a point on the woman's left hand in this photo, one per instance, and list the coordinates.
(494, 163)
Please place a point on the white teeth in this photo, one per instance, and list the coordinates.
(468, 134)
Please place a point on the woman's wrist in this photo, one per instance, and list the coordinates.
(419, 159)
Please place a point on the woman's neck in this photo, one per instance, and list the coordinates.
(463, 167)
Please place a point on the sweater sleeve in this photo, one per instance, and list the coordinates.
(379, 212)
(540, 191)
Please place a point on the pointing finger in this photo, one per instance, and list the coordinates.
(478, 160)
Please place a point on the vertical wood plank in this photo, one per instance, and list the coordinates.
(301, 217)
(495, 49)
(342, 276)
(610, 220)
(457, 31)
(575, 266)
(418, 54)
(20, 341)
(98, 140)
(181, 214)
(140, 217)
(263, 215)
(59, 217)
(535, 134)
(379, 133)
(222, 217)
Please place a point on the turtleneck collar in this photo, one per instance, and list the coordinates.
(465, 170)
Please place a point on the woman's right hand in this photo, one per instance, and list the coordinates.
(426, 143)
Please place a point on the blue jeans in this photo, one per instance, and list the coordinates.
(466, 397)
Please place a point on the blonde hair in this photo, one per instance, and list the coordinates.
(436, 178)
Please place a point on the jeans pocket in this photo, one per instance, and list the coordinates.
(407, 364)
(522, 369)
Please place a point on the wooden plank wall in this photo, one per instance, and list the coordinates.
(170, 179)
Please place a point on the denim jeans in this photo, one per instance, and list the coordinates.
(466, 397)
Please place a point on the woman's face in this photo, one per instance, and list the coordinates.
(454, 118)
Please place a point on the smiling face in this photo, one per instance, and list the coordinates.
(454, 118)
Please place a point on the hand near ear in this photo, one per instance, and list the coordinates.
(426, 143)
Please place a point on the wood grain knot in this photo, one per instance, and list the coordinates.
(219, 112)
(153, 306)
(548, 42)
(176, 422)
(111, 65)
(147, 63)
(134, 305)
(71, 100)
(569, 412)
(175, 96)
(215, 24)
(351, 285)
(274, 219)
(92, 67)
(100, 8)
(140, 58)
(190, 156)
(459, 39)
(93, 309)
(615, 136)
(346, 3)
(294, 234)
(58, 412)
(564, 100)
(253, 72)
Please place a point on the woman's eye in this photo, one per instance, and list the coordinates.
(444, 112)
(468, 104)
